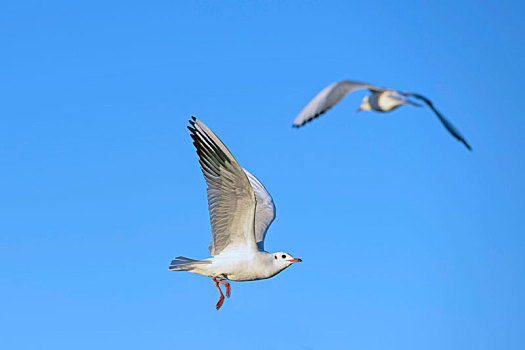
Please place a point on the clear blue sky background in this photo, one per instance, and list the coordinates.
(409, 241)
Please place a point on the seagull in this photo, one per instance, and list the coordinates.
(381, 100)
(241, 210)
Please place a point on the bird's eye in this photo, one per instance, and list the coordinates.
(275, 256)
(284, 256)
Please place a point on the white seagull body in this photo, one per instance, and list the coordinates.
(241, 210)
(381, 100)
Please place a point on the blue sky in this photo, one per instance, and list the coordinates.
(408, 240)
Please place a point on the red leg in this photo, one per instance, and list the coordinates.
(228, 287)
(221, 300)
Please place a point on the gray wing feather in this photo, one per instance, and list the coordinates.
(327, 98)
(264, 210)
(231, 199)
(447, 124)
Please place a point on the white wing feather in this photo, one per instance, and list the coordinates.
(327, 98)
(231, 199)
(264, 210)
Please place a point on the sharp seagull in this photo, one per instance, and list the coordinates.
(380, 100)
(241, 210)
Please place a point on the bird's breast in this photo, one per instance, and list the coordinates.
(385, 103)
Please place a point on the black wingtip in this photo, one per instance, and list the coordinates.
(192, 121)
(192, 127)
(297, 126)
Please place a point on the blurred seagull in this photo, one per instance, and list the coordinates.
(381, 100)
(241, 210)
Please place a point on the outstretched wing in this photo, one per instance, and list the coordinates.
(327, 98)
(448, 125)
(231, 199)
(264, 210)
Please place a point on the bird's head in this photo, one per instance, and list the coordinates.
(284, 260)
(365, 105)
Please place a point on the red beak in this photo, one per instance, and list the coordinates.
(295, 260)
(359, 110)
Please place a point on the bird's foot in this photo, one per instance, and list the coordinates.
(219, 303)
(228, 289)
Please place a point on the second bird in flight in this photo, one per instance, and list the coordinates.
(381, 100)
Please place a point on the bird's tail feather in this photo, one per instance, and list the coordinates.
(182, 263)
